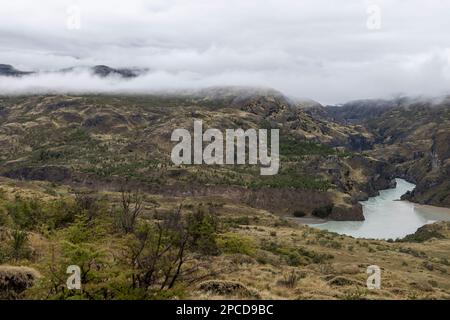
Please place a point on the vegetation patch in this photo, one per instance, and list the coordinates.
(236, 243)
(228, 288)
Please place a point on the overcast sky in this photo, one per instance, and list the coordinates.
(319, 49)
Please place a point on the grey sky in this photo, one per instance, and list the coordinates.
(317, 49)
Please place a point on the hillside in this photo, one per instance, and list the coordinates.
(413, 135)
(233, 251)
(98, 141)
(88, 181)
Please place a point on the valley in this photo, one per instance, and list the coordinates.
(88, 180)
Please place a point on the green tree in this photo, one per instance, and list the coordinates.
(19, 245)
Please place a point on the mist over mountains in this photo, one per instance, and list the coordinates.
(104, 79)
(98, 70)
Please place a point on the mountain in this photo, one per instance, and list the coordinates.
(358, 110)
(98, 70)
(8, 70)
(105, 71)
(325, 164)
(101, 140)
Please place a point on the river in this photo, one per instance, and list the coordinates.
(388, 218)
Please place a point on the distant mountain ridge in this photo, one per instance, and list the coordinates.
(102, 71)
(9, 70)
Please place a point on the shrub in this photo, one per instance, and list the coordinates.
(290, 147)
(425, 233)
(227, 288)
(296, 256)
(85, 255)
(291, 255)
(323, 212)
(340, 281)
(26, 214)
(202, 228)
(236, 222)
(2, 194)
(88, 203)
(299, 214)
(15, 280)
(131, 209)
(233, 243)
(335, 245)
(157, 251)
(81, 230)
(30, 214)
(5, 219)
(19, 245)
(61, 213)
(290, 280)
(241, 259)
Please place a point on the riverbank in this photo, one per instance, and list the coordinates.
(439, 210)
(308, 220)
(387, 217)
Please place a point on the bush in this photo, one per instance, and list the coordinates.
(425, 233)
(323, 212)
(85, 255)
(290, 280)
(5, 219)
(295, 256)
(202, 228)
(82, 230)
(30, 214)
(236, 222)
(228, 288)
(19, 245)
(299, 214)
(15, 280)
(26, 214)
(131, 209)
(2, 194)
(233, 243)
(157, 251)
(291, 147)
(88, 203)
(61, 213)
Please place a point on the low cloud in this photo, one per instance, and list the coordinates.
(317, 49)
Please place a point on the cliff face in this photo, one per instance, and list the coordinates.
(413, 136)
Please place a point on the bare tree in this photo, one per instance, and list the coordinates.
(87, 201)
(159, 254)
(131, 209)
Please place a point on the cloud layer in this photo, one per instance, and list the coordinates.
(320, 49)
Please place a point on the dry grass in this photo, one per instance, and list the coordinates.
(15, 280)
(331, 266)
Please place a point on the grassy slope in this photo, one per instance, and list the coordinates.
(99, 140)
(259, 250)
(103, 139)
